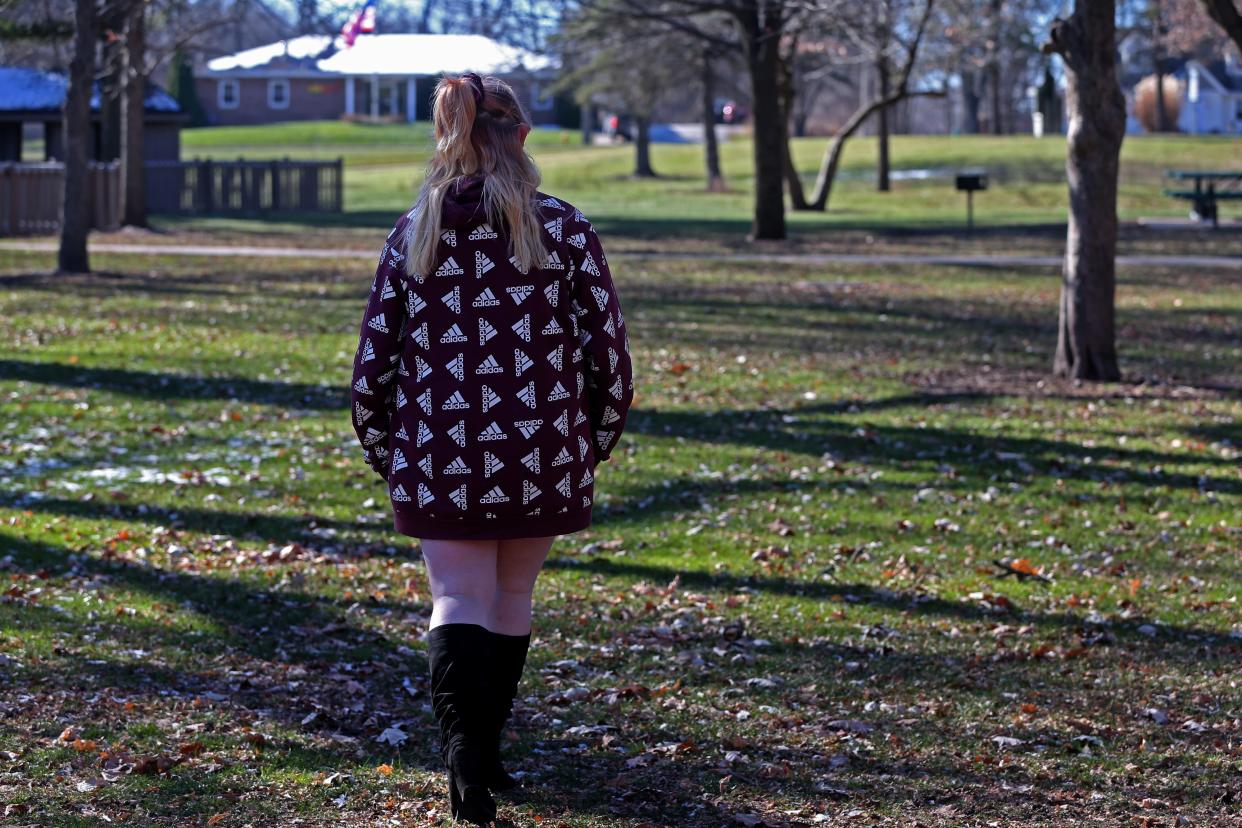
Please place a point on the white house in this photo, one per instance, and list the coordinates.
(1213, 98)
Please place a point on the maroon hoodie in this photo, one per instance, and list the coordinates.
(483, 395)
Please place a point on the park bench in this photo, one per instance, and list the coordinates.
(1209, 188)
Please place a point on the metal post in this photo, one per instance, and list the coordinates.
(970, 210)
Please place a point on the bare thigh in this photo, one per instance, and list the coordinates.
(461, 568)
(518, 562)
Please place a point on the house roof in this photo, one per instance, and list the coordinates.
(24, 89)
(1219, 70)
(380, 54)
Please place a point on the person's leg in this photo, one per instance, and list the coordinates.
(462, 577)
(518, 562)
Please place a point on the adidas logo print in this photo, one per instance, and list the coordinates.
(521, 361)
(482, 264)
(493, 432)
(453, 299)
(583, 448)
(529, 492)
(581, 384)
(425, 465)
(609, 328)
(457, 367)
(563, 457)
(458, 433)
(612, 360)
(486, 331)
(562, 423)
(616, 388)
(495, 496)
(414, 303)
(368, 351)
(398, 460)
(458, 496)
(455, 402)
(558, 393)
(588, 264)
(421, 337)
(486, 299)
(557, 357)
(584, 336)
(372, 436)
(378, 323)
(381, 453)
(491, 464)
(388, 293)
(601, 296)
(449, 237)
(564, 487)
(518, 266)
(552, 328)
(424, 495)
(401, 369)
(554, 228)
(552, 202)
(401, 399)
(361, 386)
(554, 262)
(386, 377)
(522, 328)
(490, 399)
(586, 501)
(450, 268)
(528, 427)
(580, 419)
(586, 480)
(421, 368)
(402, 434)
(520, 293)
(531, 461)
(453, 334)
(581, 219)
(610, 415)
(483, 231)
(528, 396)
(602, 438)
(399, 495)
(553, 293)
(535, 512)
(458, 466)
(424, 435)
(423, 400)
(578, 240)
(489, 366)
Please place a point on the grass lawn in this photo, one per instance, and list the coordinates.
(788, 612)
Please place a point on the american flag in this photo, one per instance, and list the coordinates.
(362, 21)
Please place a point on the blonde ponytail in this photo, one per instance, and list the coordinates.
(478, 131)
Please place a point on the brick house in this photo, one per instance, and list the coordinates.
(381, 77)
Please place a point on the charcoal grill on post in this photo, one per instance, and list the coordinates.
(969, 182)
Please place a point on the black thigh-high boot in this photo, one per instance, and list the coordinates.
(509, 659)
(459, 656)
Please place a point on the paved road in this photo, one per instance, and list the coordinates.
(965, 260)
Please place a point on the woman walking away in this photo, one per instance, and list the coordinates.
(492, 376)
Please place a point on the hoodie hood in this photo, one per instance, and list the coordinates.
(463, 202)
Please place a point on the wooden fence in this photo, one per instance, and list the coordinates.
(207, 186)
(32, 197)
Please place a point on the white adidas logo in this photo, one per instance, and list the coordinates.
(424, 435)
(558, 392)
(553, 293)
(424, 495)
(529, 492)
(522, 362)
(378, 323)
(522, 328)
(583, 448)
(453, 334)
(458, 496)
(402, 434)
(601, 296)
(489, 366)
(491, 464)
(457, 367)
(373, 436)
(455, 402)
(388, 293)
(483, 231)
(610, 415)
(612, 360)
(520, 293)
(554, 262)
(586, 480)
(557, 357)
(578, 240)
(425, 465)
(401, 400)
(450, 268)
(401, 369)
(458, 433)
(528, 427)
(398, 460)
(552, 202)
(399, 494)
(482, 264)
(361, 386)
(421, 368)
(496, 495)
(423, 400)
(616, 389)
(554, 228)
(421, 337)
(449, 237)
(552, 328)
(562, 423)
(368, 351)
(486, 331)
(493, 432)
(458, 466)
(531, 461)
(490, 399)
(453, 299)
(609, 328)
(386, 377)
(414, 303)
(588, 264)
(565, 487)
(528, 396)
(563, 457)
(486, 299)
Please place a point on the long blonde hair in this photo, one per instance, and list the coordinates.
(478, 132)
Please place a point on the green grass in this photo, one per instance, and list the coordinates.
(787, 607)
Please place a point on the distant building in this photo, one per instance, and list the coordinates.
(1212, 97)
(33, 97)
(382, 76)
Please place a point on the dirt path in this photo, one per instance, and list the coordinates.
(968, 260)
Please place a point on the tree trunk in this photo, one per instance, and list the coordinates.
(642, 148)
(970, 103)
(769, 133)
(133, 95)
(587, 119)
(1086, 346)
(793, 182)
(711, 149)
(75, 221)
(1162, 117)
(1227, 15)
(882, 182)
(994, 70)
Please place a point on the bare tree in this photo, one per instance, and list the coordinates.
(75, 222)
(1227, 16)
(1086, 42)
(908, 48)
(133, 113)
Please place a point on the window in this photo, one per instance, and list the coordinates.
(228, 94)
(278, 94)
(539, 101)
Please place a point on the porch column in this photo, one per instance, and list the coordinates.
(411, 99)
(349, 96)
(375, 96)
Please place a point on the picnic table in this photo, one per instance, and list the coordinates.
(1210, 186)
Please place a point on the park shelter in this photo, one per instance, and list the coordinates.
(36, 97)
(381, 77)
